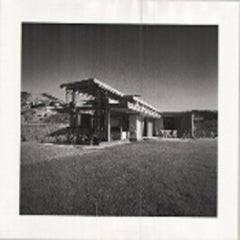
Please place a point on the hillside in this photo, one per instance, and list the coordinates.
(40, 99)
(42, 108)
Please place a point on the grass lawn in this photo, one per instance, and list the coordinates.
(149, 178)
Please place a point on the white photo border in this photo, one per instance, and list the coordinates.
(224, 14)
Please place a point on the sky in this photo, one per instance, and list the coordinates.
(171, 67)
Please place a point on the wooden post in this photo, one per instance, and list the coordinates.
(73, 96)
(121, 127)
(78, 119)
(66, 96)
(108, 125)
(192, 125)
(97, 115)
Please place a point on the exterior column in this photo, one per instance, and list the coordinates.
(121, 128)
(158, 126)
(97, 115)
(108, 125)
(192, 125)
(135, 127)
(66, 96)
(73, 96)
(78, 119)
(149, 128)
(73, 114)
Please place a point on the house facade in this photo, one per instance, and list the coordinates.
(97, 109)
(100, 110)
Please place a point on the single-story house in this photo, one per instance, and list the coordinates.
(97, 109)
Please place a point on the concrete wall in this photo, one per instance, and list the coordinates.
(149, 127)
(135, 126)
(158, 126)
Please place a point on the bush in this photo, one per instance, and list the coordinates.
(57, 118)
(208, 128)
(56, 133)
(39, 132)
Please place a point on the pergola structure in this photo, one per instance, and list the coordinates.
(100, 110)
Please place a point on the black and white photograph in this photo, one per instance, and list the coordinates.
(119, 120)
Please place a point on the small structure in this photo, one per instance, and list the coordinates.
(96, 109)
(194, 123)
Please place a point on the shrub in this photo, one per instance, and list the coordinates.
(39, 132)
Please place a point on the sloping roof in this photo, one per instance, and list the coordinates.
(88, 84)
(85, 85)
